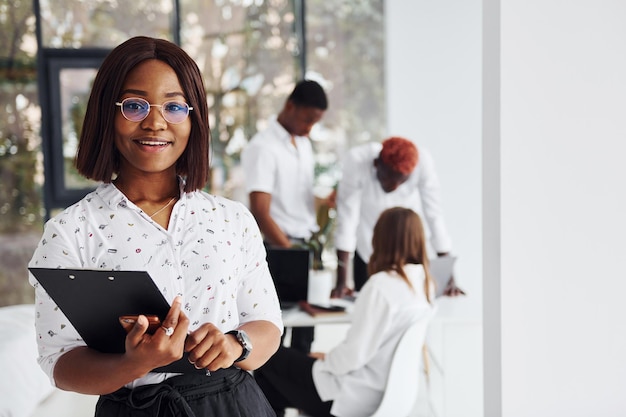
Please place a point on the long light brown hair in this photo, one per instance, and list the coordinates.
(399, 240)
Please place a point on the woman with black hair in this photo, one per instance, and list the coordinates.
(146, 139)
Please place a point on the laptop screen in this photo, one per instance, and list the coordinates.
(290, 270)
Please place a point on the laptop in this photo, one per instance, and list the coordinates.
(441, 269)
(290, 270)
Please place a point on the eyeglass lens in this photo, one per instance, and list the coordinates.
(136, 109)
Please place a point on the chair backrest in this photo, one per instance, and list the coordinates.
(404, 374)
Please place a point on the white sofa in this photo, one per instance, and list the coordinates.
(22, 381)
(26, 390)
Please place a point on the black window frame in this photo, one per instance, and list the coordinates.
(50, 63)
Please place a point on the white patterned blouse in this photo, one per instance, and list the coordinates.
(212, 255)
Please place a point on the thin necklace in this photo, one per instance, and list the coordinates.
(162, 208)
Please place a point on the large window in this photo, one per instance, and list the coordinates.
(345, 49)
(251, 53)
(20, 149)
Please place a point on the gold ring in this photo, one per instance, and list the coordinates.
(168, 330)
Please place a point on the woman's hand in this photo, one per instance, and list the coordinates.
(161, 348)
(341, 291)
(88, 371)
(209, 348)
(452, 290)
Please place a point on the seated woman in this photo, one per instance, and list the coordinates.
(350, 379)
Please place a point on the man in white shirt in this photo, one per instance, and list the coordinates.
(279, 165)
(377, 176)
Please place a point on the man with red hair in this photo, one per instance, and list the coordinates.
(377, 176)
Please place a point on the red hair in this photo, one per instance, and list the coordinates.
(399, 154)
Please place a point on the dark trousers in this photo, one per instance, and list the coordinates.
(302, 338)
(287, 381)
(359, 271)
(227, 392)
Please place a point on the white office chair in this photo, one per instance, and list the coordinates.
(402, 385)
(404, 375)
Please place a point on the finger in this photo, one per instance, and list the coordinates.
(195, 338)
(201, 339)
(176, 322)
(182, 324)
(204, 345)
(203, 354)
(207, 360)
(139, 329)
(219, 355)
(171, 320)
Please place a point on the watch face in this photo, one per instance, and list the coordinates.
(244, 340)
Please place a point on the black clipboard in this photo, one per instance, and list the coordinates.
(93, 300)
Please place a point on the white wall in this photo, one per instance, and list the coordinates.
(433, 73)
(552, 194)
(559, 251)
(433, 77)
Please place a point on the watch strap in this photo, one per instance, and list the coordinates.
(242, 341)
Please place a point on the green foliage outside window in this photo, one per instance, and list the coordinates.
(250, 56)
(20, 154)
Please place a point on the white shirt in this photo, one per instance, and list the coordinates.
(361, 199)
(212, 255)
(354, 373)
(273, 165)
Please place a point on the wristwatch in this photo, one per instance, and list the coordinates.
(244, 341)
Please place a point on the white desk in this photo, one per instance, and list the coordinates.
(294, 317)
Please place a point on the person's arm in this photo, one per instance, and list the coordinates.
(317, 355)
(348, 205)
(88, 371)
(430, 195)
(260, 208)
(341, 289)
(429, 190)
(209, 348)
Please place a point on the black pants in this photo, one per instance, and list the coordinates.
(302, 338)
(227, 392)
(359, 271)
(287, 381)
